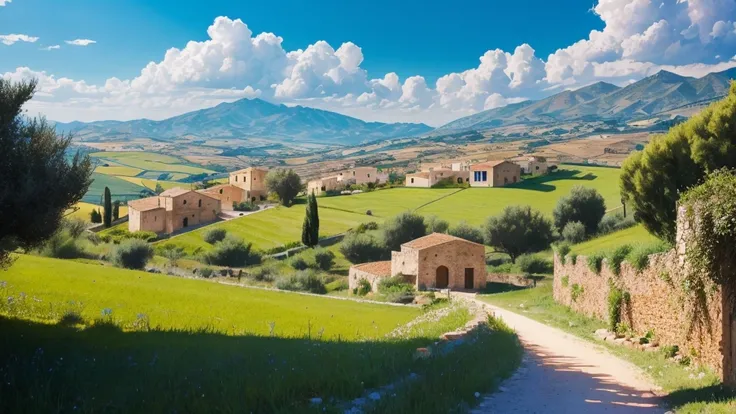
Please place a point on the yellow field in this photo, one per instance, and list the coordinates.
(118, 170)
(84, 209)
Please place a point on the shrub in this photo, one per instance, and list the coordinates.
(363, 227)
(75, 226)
(231, 252)
(364, 288)
(215, 235)
(583, 204)
(595, 262)
(395, 289)
(62, 245)
(265, 273)
(298, 263)
(465, 231)
(244, 206)
(576, 292)
(132, 254)
(670, 351)
(615, 303)
(639, 256)
(361, 248)
(303, 281)
(401, 229)
(95, 216)
(562, 250)
(171, 252)
(435, 224)
(337, 285)
(574, 232)
(206, 272)
(615, 222)
(117, 235)
(573, 258)
(281, 249)
(565, 281)
(617, 256)
(284, 184)
(534, 264)
(323, 258)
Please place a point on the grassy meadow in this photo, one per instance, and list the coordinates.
(119, 188)
(387, 203)
(632, 236)
(86, 338)
(149, 161)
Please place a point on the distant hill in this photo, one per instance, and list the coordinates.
(248, 118)
(658, 93)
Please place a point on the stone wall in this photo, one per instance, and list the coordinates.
(657, 302)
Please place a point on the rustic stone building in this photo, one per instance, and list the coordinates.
(494, 174)
(252, 180)
(426, 179)
(358, 176)
(435, 261)
(172, 210)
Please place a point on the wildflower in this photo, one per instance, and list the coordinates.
(106, 312)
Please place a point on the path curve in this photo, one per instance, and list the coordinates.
(561, 373)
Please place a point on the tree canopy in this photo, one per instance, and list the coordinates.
(653, 180)
(310, 228)
(584, 205)
(41, 177)
(286, 184)
(403, 228)
(518, 230)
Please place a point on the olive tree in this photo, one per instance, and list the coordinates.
(518, 230)
(286, 184)
(403, 228)
(41, 177)
(584, 205)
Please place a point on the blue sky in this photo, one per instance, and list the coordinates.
(409, 61)
(406, 37)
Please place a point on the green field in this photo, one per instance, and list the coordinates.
(150, 162)
(87, 338)
(151, 184)
(195, 304)
(120, 189)
(386, 203)
(633, 235)
(474, 205)
(274, 227)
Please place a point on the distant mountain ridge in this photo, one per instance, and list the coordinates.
(249, 118)
(658, 93)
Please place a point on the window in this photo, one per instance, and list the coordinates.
(185, 201)
(353, 172)
(536, 167)
(200, 203)
(484, 176)
(236, 178)
(221, 191)
(155, 218)
(412, 181)
(480, 176)
(369, 176)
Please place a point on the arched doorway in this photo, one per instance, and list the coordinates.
(443, 278)
(185, 222)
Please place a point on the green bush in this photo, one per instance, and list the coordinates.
(281, 249)
(117, 235)
(595, 262)
(615, 303)
(298, 263)
(303, 281)
(583, 204)
(75, 226)
(573, 232)
(132, 254)
(465, 231)
(670, 351)
(639, 256)
(395, 289)
(266, 273)
(562, 250)
(231, 252)
(323, 258)
(362, 248)
(617, 256)
(573, 258)
(337, 285)
(363, 227)
(206, 272)
(215, 235)
(171, 252)
(364, 288)
(434, 224)
(565, 281)
(615, 222)
(534, 264)
(245, 206)
(403, 228)
(62, 245)
(576, 291)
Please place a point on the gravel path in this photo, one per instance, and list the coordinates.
(561, 373)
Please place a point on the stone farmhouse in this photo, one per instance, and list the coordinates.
(458, 173)
(248, 184)
(534, 166)
(494, 174)
(436, 261)
(336, 182)
(172, 210)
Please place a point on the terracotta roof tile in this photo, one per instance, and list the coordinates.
(432, 240)
(144, 204)
(174, 192)
(375, 268)
(486, 165)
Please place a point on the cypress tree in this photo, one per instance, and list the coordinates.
(310, 228)
(107, 213)
(116, 210)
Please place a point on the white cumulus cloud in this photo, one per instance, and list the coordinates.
(80, 42)
(5, 2)
(52, 47)
(10, 39)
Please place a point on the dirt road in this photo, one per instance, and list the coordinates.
(564, 374)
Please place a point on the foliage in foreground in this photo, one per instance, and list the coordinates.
(653, 180)
(38, 182)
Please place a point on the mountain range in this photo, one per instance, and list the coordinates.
(248, 118)
(648, 97)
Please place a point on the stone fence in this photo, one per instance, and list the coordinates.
(655, 301)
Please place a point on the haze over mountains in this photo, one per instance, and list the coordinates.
(650, 96)
(249, 118)
(646, 98)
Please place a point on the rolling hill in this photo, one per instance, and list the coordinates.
(248, 118)
(658, 93)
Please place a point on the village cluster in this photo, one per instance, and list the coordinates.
(178, 208)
